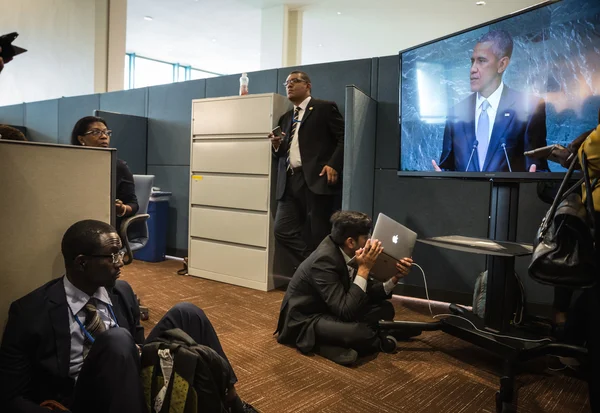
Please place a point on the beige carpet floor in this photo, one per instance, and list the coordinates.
(433, 373)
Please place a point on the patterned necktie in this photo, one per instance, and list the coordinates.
(352, 273)
(93, 324)
(483, 133)
(295, 123)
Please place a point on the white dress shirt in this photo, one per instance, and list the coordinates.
(494, 101)
(295, 159)
(388, 286)
(77, 299)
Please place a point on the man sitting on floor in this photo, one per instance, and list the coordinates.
(75, 339)
(333, 309)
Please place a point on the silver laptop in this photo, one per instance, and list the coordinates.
(397, 241)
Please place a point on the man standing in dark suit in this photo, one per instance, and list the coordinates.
(310, 152)
(333, 309)
(490, 130)
(76, 339)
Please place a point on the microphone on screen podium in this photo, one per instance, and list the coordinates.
(472, 152)
(506, 155)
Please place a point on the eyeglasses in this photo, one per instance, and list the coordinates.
(116, 256)
(96, 133)
(293, 81)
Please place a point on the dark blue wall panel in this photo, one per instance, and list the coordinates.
(387, 154)
(41, 121)
(329, 80)
(13, 115)
(130, 137)
(70, 110)
(169, 122)
(127, 102)
(434, 208)
(177, 180)
(260, 82)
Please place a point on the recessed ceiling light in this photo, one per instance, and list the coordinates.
(480, 3)
(213, 40)
(320, 45)
(149, 18)
(339, 12)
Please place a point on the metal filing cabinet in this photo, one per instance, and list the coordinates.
(230, 222)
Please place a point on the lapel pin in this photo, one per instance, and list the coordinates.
(311, 108)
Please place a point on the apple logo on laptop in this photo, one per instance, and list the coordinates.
(395, 239)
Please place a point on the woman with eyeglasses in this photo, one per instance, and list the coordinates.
(92, 131)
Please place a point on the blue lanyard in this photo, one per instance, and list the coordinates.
(84, 330)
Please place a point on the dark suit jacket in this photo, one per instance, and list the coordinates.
(520, 124)
(321, 285)
(35, 350)
(321, 141)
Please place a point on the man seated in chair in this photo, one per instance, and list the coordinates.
(333, 309)
(76, 339)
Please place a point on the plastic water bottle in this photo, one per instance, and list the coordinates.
(244, 84)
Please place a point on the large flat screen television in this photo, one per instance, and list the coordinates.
(473, 102)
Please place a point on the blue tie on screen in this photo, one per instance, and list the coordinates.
(483, 133)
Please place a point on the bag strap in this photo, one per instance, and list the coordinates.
(558, 198)
(150, 367)
(589, 188)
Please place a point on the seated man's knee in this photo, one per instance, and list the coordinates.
(188, 309)
(118, 341)
(357, 336)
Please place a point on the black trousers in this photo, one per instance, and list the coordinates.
(361, 335)
(109, 381)
(297, 205)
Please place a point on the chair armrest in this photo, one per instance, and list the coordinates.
(128, 258)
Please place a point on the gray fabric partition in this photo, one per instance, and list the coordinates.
(169, 124)
(329, 80)
(13, 115)
(128, 102)
(359, 151)
(41, 120)
(130, 134)
(70, 110)
(169, 134)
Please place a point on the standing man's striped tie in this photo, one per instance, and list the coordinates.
(295, 125)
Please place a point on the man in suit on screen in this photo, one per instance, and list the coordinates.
(490, 129)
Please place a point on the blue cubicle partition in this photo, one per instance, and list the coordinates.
(130, 136)
(359, 151)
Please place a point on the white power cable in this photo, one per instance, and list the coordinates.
(469, 321)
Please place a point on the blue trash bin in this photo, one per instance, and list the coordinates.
(158, 209)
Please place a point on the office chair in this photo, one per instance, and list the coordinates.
(134, 230)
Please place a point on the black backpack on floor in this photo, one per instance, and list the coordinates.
(199, 381)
